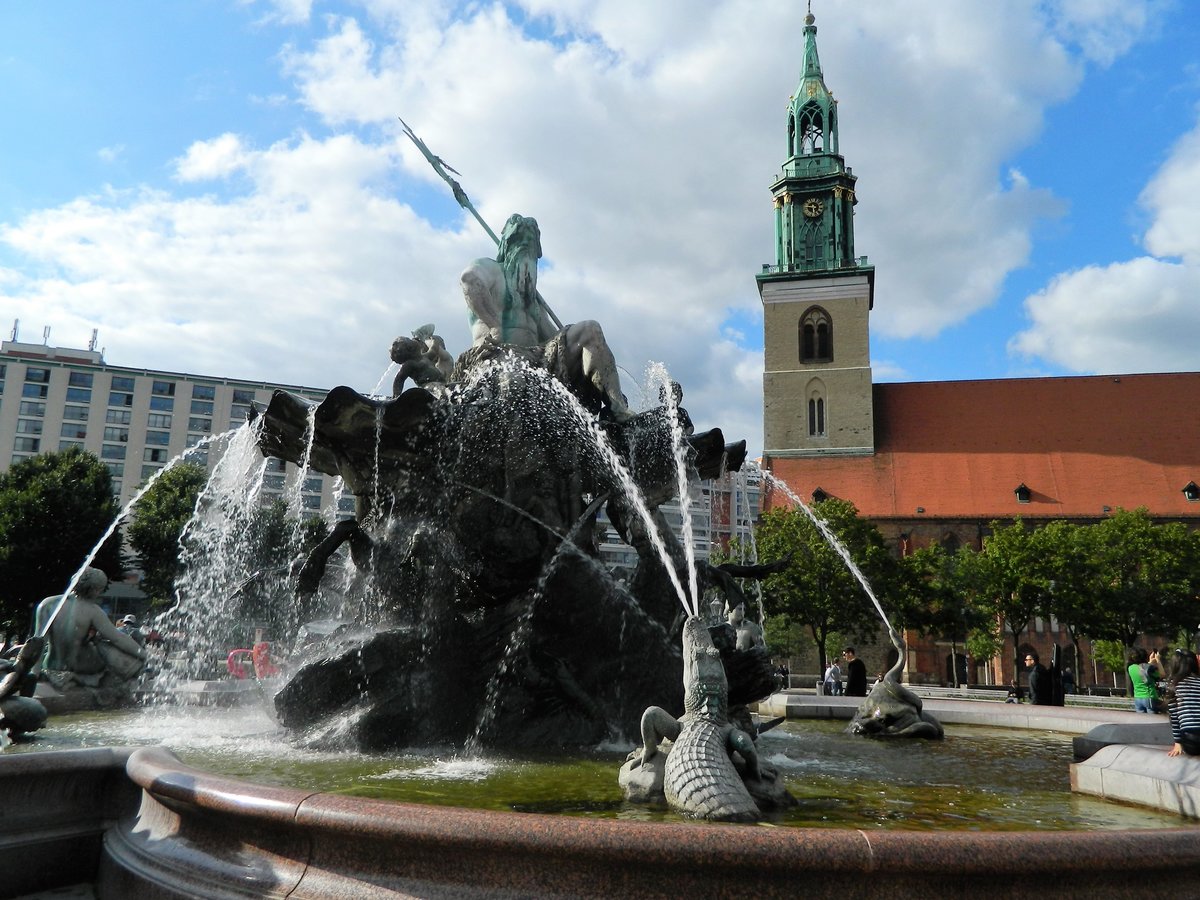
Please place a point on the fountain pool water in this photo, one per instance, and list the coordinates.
(978, 779)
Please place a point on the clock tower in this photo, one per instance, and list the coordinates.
(818, 295)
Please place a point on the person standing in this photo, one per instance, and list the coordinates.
(1040, 688)
(1143, 690)
(856, 674)
(833, 679)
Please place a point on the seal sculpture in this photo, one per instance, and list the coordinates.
(892, 710)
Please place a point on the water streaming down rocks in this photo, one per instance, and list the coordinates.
(472, 601)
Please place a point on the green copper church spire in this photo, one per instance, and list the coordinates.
(814, 194)
(812, 115)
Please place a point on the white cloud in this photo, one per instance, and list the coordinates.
(1140, 315)
(1171, 199)
(111, 154)
(205, 160)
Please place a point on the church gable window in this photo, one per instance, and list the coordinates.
(816, 336)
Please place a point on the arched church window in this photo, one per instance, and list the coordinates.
(816, 416)
(812, 130)
(812, 246)
(816, 336)
(791, 135)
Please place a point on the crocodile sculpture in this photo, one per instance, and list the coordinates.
(711, 768)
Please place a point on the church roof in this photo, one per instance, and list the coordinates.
(960, 449)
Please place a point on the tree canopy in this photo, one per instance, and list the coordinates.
(158, 521)
(817, 589)
(54, 508)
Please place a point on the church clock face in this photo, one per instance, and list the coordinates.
(813, 207)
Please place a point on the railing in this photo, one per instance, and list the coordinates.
(856, 263)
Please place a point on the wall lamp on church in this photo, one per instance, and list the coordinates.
(1191, 491)
(1022, 493)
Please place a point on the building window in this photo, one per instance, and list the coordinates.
(201, 408)
(158, 402)
(69, 445)
(74, 430)
(816, 416)
(27, 445)
(30, 408)
(313, 484)
(204, 392)
(275, 464)
(152, 455)
(816, 336)
(116, 469)
(311, 501)
(116, 398)
(80, 379)
(158, 420)
(75, 413)
(36, 391)
(163, 388)
(202, 425)
(112, 451)
(241, 396)
(273, 482)
(162, 438)
(120, 383)
(150, 471)
(29, 426)
(116, 489)
(200, 459)
(117, 435)
(118, 416)
(42, 376)
(239, 414)
(79, 395)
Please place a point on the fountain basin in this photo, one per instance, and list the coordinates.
(142, 824)
(195, 833)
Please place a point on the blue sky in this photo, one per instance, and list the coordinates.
(221, 187)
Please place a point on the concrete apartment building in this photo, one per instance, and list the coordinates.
(135, 420)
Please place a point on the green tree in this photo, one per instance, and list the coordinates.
(941, 604)
(1147, 576)
(159, 519)
(54, 508)
(1070, 597)
(817, 590)
(1008, 578)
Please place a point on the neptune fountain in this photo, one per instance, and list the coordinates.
(493, 621)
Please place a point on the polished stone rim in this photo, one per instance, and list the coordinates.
(229, 837)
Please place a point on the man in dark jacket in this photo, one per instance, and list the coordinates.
(1040, 689)
(856, 674)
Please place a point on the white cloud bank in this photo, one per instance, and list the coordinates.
(1142, 315)
(642, 136)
